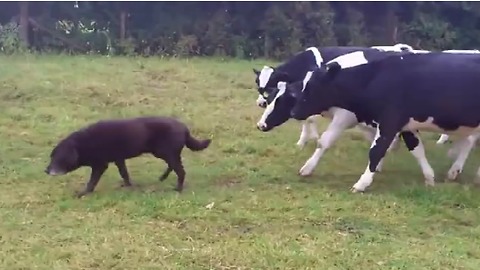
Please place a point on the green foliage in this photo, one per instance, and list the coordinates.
(10, 41)
(245, 29)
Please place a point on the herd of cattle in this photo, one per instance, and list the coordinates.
(388, 92)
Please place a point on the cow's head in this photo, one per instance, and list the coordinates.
(266, 81)
(317, 92)
(280, 103)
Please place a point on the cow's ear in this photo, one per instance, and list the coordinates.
(282, 76)
(293, 89)
(256, 71)
(332, 70)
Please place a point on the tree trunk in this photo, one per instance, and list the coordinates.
(391, 25)
(23, 22)
(266, 47)
(123, 23)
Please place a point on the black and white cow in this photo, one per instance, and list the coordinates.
(435, 92)
(280, 103)
(444, 137)
(295, 68)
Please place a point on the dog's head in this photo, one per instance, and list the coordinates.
(63, 159)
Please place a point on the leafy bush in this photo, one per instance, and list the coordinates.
(10, 42)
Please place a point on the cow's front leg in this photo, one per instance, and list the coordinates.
(340, 122)
(383, 139)
(327, 139)
(303, 135)
(309, 132)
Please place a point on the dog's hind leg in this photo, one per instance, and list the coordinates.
(174, 161)
(97, 172)
(177, 166)
(173, 157)
(166, 173)
(122, 170)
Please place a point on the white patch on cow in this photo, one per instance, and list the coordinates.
(385, 48)
(395, 48)
(317, 54)
(462, 51)
(365, 180)
(402, 46)
(350, 60)
(420, 51)
(282, 85)
(264, 76)
(306, 79)
(269, 109)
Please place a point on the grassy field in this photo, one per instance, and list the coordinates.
(264, 215)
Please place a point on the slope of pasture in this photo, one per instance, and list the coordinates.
(260, 214)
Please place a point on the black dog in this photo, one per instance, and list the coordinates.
(115, 141)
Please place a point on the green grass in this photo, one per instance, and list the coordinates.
(265, 216)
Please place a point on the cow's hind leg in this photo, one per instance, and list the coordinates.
(369, 134)
(443, 139)
(415, 146)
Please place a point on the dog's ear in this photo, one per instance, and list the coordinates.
(256, 71)
(71, 152)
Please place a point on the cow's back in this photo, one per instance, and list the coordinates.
(445, 87)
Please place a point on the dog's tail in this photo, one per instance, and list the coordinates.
(196, 145)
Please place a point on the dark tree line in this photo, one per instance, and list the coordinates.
(236, 29)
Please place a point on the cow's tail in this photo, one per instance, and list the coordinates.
(196, 145)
